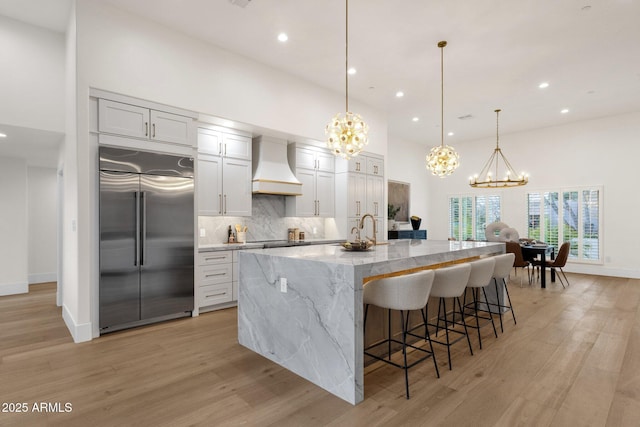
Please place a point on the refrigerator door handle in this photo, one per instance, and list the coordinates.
(143, 235)
(136, 256)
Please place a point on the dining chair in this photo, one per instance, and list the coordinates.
(401, 293)
(559, 262)
(519, 261)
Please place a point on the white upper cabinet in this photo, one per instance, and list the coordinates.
(236, 182)
(357, 195)
(315, 169)
(360, 189)
(209, 185)
(224, 173)
(236, 146)
(375, 195)
(140, 122)
(220, 142)
(375, 166)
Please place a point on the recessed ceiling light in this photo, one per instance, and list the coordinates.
(399, 94)
(415, 119)
(3, 135)
(450, 134)
(283, 37)
(564, 110)
(543, 85)
(352, 71)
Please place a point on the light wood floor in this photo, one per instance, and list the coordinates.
(573, 359)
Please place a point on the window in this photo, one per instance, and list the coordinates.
(469, 215)
(568, 216)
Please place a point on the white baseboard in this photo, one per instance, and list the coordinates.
(600, 270)
(79, 332)
(13, 288)
(43, 277)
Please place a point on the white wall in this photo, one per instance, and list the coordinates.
(591, 153)
(128, 55)
(406, 163)
(13, 226)
(42, 224)
(32, 94)
(31, 87)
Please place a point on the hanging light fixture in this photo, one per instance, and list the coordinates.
(486, 177)
(346, 135)
(443, 159)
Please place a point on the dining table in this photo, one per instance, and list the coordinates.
(531, 251)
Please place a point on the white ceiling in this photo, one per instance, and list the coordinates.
(498, 52)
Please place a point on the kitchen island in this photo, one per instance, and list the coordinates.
(301, 307)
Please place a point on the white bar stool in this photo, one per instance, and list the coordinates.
(504, 264)
(450, 282)
(480, 278)
(402, 293)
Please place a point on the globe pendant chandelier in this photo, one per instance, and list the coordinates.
(488, 176)
(346, 134)
(442, 160)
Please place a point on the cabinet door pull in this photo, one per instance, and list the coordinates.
(154, 130)
(225, 204)
(225, 149)
(216, 274)
(215, 295)
(214, 257)
(146, 128)
(220, 206)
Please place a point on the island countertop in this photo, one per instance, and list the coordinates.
(302, 308)
(432, 251)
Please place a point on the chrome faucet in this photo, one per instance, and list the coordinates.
(374, 226)
(357, 230)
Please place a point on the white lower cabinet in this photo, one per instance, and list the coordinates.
(216, 284)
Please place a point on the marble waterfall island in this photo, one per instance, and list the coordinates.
(301, 307)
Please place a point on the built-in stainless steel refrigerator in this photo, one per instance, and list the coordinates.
(146, 237)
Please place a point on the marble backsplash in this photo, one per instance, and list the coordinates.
(267, 222)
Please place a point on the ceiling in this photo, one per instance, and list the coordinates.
(498, 52)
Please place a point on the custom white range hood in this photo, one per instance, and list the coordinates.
(271, 171)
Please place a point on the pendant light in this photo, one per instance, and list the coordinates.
(486, 177)
(346, 135)
(443, 159)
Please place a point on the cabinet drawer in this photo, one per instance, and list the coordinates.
(216, 257)
(211, 274)
(215, 294)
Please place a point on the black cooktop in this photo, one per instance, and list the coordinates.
(280, 243)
